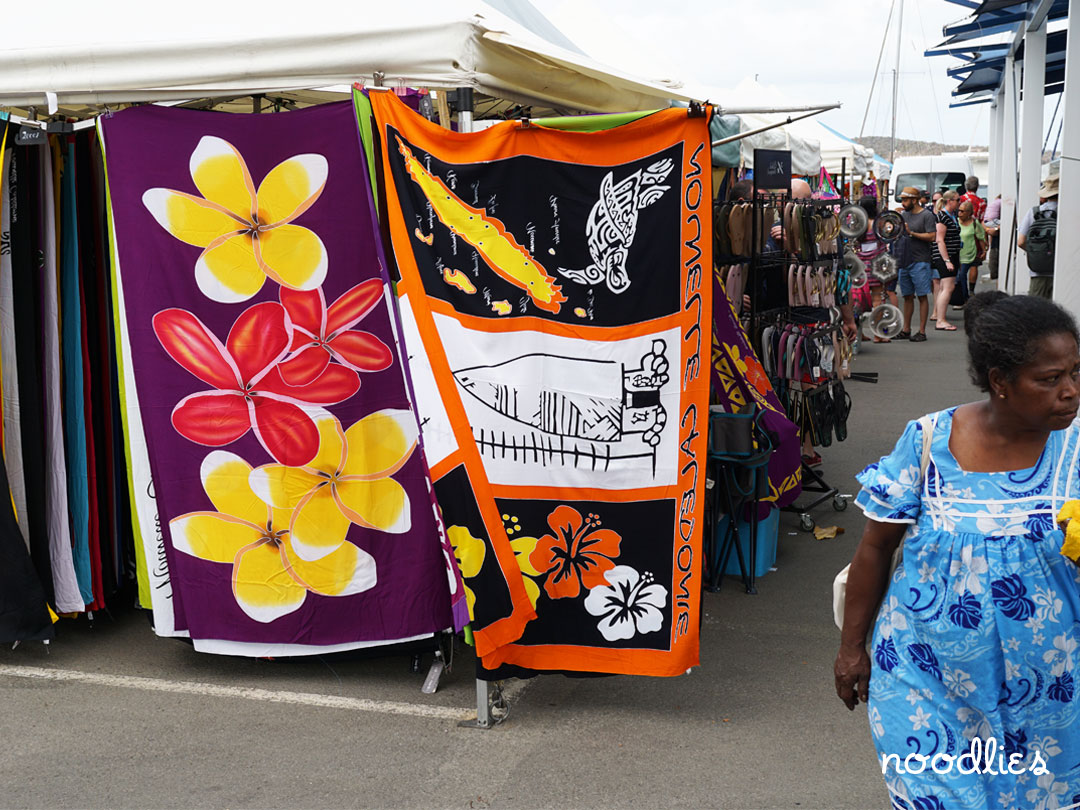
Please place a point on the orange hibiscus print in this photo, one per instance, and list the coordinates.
(577, 553)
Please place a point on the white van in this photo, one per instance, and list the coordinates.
(932, 173)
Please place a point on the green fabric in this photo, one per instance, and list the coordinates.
(364, 117)
(727, 155)
(970, 234)
(591, 123)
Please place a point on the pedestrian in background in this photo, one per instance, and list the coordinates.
(945, 256)
(992, 222)
(970, 195)
(914, 279)
(1036, 236)
(972, 251)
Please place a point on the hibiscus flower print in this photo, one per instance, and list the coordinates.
(249, 391)
(968, 571)
(885, 655)
(1010, 596)
(246, 234)
(966, 612)
(323, 333)
(628, 605)
(469, 552)
(957, 682)
(269, 579)
(577, 553)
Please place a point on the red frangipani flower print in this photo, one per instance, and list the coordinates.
(577, 553)
(250, 392)
(322, 333)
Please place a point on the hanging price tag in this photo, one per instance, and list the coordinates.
(31, 136)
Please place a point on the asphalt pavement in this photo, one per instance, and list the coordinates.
(119, 718)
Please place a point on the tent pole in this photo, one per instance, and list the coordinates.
(766, 128)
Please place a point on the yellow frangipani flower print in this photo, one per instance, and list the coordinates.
(245, 233)
(269, 579)
(348, 481)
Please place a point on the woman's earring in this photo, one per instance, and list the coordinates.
(1002, 396)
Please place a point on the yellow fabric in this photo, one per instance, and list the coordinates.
(225, 479)
(213, 537)
(318, 525)
(290, 188)
(378, 445)
(222, 177)
(379, 504)
(292, 255)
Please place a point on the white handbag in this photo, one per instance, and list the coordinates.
(839, 586)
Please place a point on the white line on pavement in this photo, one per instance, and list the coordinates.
(247, 693)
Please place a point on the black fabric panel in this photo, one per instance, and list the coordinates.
(26, 259)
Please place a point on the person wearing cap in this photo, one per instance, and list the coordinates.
(1042, 286)
(914, 279)
(978, 204)
(924, 199)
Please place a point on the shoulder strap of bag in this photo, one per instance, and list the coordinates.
(928, 424)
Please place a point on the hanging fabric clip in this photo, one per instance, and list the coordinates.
(695, 110)
(524, 123)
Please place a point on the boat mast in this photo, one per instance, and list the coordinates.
(896, 83)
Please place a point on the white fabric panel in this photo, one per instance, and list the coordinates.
(13, 454)
(65, 585)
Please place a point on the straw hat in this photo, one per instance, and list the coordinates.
(1049, 187)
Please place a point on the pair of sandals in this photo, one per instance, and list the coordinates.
(811, 287)
(734, 281)
(824, 414)
(914, 337)
(733, 225)
(807, 227)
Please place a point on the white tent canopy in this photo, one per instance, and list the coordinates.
(70, 53)
(805, 151)
(835, 150)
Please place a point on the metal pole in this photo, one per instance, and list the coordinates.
(465, 109)
(877, 67)
(1031, 141)
(749, 132)
(1067, 248)
(896, 82)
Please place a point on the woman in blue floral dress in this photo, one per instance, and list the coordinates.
(971, 674)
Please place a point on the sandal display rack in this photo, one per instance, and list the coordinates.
(794, 325)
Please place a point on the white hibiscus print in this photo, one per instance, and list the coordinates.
(968, 570)
(913, 696)
(1007, 799)
(926, 572)
(957, 682)
(908, 479)
(1012, 670)
(920, 719)
(892, 618)
(1061, 657)
(997, 521)
(630, 604)
(875, 723)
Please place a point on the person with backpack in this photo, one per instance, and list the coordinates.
(1037, 233)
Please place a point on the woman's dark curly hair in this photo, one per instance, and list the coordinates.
(869, 205)
(1004, 332)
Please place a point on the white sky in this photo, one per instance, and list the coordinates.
(813, 50)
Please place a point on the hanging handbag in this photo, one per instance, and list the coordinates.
(839, 587)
